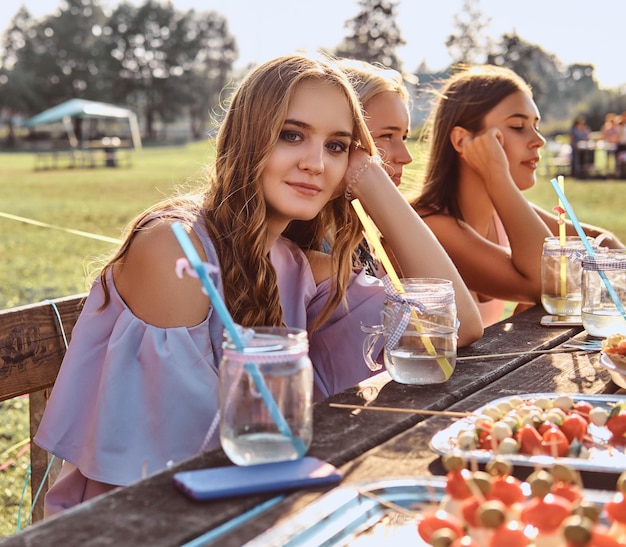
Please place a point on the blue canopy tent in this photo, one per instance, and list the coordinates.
(81, 108)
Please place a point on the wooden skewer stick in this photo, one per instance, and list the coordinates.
(404, 410)
(588, 439)
(516, 353)
(389, 504)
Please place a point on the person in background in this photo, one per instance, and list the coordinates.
(484, 148)
(138, 387)
(609, 134)
(582, 157)
(620, 151)
(610, 130)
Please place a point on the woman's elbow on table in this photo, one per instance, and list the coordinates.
(469, 332)
(471, 326)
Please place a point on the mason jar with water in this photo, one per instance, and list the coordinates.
(561, 275)
(266, 392)
(604, 292)
(419, 327)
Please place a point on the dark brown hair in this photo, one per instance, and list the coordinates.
(464, 101)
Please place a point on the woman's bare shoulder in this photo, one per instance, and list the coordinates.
(441, 222)
(146, 278)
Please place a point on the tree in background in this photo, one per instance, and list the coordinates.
(159, 58)
(66, 47)
(579, 82)
(557, 89)
(211, 69)
(166, 64)
(600, 103)
(45, 63)
(140, 47)
(375, 35)
(469, 45)
(17, 85)
(161, 62)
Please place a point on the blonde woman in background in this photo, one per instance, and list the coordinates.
(385, 100)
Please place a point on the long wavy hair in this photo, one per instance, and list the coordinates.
(233, 206)
(466, 98)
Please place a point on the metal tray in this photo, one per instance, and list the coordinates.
(348, 515)
(606, 459)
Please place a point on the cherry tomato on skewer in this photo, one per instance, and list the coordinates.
(616, 423)
(583, 408)
(574, 426)
(554, 442)
(436, 521)
(529, 440)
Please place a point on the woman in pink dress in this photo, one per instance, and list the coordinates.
(484, 149)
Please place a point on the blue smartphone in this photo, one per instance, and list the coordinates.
(231, 481)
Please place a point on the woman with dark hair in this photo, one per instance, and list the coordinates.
(582, 156)
(484, 149)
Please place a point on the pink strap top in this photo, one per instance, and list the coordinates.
(492, 310)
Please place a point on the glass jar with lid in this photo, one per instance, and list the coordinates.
(604, 292)
(266, 396)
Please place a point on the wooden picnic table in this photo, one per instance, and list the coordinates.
(366, 445)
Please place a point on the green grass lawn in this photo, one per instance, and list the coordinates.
(14, 462)
(40, 262)
(599, 202)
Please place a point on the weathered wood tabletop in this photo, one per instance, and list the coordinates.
(366, 445)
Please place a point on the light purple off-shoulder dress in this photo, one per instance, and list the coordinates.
(131, 397)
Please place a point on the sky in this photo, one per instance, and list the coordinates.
(573, 30)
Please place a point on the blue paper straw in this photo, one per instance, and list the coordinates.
(207, 283)
(229, 324)
(588, 247)
(210, 536)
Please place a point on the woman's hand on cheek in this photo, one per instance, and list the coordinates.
(358, 158)
(484, 152)
(492, 142)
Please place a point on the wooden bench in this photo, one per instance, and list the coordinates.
(32, 347)
(106, 152)
(112, 152)
(54, 159)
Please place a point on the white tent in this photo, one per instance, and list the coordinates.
(81, 108)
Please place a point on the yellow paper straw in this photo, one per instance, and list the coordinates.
(562, 239)
(373, 239)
